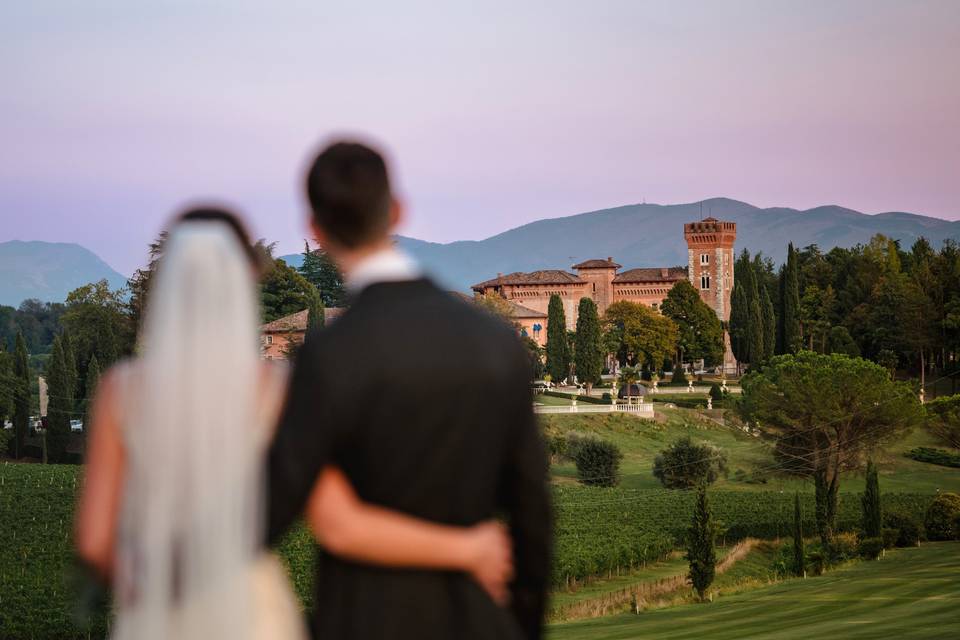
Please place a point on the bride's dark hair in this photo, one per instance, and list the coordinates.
(215, 214)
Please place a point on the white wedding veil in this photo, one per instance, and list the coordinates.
(191, 519)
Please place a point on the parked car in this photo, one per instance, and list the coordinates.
(76, 425)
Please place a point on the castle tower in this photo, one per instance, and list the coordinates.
(599, 275)
(710, 261)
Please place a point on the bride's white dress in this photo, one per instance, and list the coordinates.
(275, 612)
(198, 412)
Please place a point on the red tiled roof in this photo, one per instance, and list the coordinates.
(663, 274)
(520, 311)
(598, 264)
(298, 321)
(546, 276)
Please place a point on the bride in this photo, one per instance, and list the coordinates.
(171, 511)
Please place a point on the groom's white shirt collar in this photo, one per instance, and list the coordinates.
(386, 265)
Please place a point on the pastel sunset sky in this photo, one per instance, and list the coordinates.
(114, 114)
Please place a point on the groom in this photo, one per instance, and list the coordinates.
(423, 401)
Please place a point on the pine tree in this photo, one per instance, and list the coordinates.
(588, 353)
(872, 517)
(799, 555)
(558, 357)
(701, 553)
(769, 325)
(791, 303)
(21, 399)
(321, 272)
(90, 385)
(60, 405)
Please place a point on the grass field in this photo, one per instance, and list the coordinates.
(911, 593)
(641, 441)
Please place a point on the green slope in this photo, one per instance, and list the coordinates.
(911, 593)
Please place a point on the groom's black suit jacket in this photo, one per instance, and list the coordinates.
(423, 400)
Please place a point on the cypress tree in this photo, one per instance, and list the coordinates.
(799, 557)
(60, 405)
(315, 315)
(21, 398)
(321, 272)
(70, 364)
(791, 303)
(738, 323)
(90, 386)
(701, 552)
(588, 353)
(769, 325)
(558, 357)
(872, 517)
(755, 331)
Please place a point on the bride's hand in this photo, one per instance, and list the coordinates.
(492, 565)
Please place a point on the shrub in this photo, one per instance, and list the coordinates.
(934, 456)
(679, 377)
(556, 445)
(598, 462)
(889, 537)
(907, 527)
(606, 397)
(817, 561)
(941, 518)
(871, 548)
(844, 546)
(685, 464)
(716, 393)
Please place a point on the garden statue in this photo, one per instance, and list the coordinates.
(689, 386)
(709, 403)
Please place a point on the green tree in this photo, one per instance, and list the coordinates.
(315, 315)
(739, 323)
(686, 464)
(558, 352)
(700, 333)
(97, 321)
(60, 406)
(943, 419)
(799, 555)
(21, 398)
(90, 384)
(139, 282)
(870, 501)
(284, 292)
(841, 342)
(701, 552)
(769, 325)
(826, 412)
(646, 336)
(588, 347)
(790, 303)
(8, 384)
(70, 363)
(320, 271)
(756, 327)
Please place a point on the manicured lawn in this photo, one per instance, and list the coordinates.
(911, 593)
(641, 441)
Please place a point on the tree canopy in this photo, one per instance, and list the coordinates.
(827, 412)
(645, 336)
(588, 350)
(700, 333)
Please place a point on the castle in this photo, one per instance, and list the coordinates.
(709, 269)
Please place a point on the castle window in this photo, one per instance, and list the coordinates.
(704, 258)
(269, 339)
(704, 282)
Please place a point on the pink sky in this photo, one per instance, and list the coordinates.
(113, 117)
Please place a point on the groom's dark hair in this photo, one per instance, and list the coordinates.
(349, 192)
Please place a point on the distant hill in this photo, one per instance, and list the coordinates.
(293, 259)
(49, 271)
(651, 235)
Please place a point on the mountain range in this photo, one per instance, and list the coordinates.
(637, 235)
(651, 235)
(49, 271)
